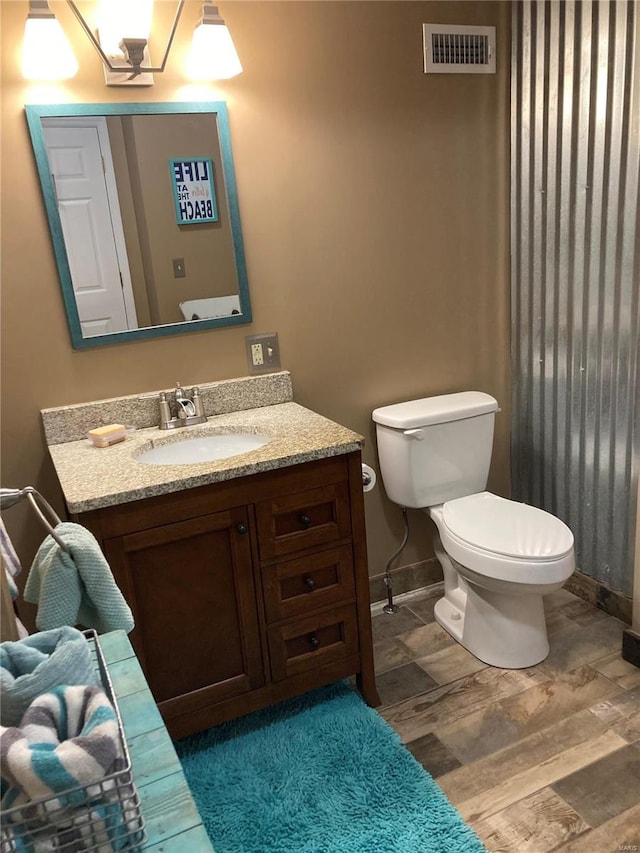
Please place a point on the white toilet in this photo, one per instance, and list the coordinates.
(499, 557)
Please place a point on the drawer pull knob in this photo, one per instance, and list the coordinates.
(314, 642)
(305, 521)
(310, 583)
(242, 529)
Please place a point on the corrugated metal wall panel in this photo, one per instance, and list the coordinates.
(576, 272)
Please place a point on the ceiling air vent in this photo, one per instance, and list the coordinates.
(452, 49)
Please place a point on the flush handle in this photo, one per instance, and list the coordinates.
(418, 434)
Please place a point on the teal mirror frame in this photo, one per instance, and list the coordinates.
(34, 114)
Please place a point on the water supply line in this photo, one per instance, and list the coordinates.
(390, 607)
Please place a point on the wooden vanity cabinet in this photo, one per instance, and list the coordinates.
(245, 592)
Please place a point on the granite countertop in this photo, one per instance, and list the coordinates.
(93, 477)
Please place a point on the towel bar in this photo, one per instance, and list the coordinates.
(10, 497)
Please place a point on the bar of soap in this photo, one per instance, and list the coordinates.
(105, 436)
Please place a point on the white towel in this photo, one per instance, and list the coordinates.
(12, 568)
(10, 560)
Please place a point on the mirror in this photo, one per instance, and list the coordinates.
(143, 211)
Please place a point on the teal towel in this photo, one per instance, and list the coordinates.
(75, 588)
(37, 664)
(67, 738)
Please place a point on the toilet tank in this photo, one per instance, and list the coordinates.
(435, 449)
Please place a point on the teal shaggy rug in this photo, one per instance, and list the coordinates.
(322, 773)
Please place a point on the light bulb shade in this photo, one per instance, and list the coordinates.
(120, 19)
(213, 55)
(46, 52)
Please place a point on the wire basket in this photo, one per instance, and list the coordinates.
(103, 816)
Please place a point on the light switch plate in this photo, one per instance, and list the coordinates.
(179, 269)
(263, 353)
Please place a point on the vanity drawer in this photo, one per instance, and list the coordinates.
(296, 587)
(306, 644)
(302, 520)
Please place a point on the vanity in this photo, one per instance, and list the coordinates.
(247, 575)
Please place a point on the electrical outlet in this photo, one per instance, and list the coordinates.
(256, 355)
(263, 353)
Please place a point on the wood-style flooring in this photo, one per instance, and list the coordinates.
(539, 759)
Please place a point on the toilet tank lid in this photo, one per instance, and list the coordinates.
(435, 410)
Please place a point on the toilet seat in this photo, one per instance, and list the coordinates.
(505, 540)
(504, 527)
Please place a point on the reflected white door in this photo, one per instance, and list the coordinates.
(82, 169)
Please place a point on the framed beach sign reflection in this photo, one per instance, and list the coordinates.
(194, 192)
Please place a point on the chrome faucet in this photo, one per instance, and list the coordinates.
(181, 408)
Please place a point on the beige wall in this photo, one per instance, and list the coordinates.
(374, 202)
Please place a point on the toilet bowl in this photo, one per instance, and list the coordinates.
(498, 557)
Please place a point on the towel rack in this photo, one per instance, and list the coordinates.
(10, 497)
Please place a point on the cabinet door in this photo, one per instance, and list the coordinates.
(190, 586)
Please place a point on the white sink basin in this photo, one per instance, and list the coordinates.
(204, 448)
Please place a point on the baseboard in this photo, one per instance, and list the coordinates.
(406, 579)
(428, 572)
(601, 596)
(631, 646)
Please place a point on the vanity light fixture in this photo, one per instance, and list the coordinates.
(213, 55)
(46, 52)
(122, 44)
(123, 38)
